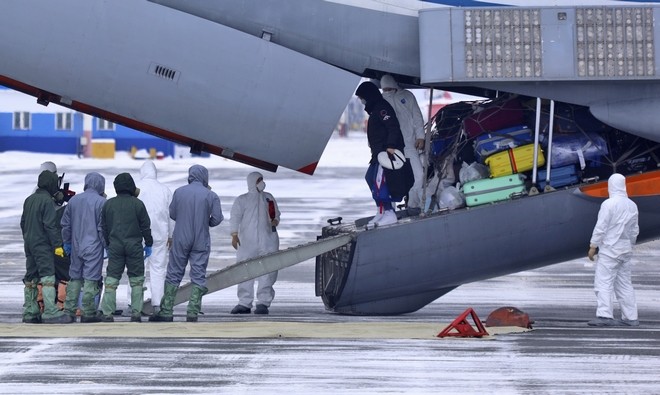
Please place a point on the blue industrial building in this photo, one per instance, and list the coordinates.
(28, 126)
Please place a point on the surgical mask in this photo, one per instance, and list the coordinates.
(261, 186)
(364, 102)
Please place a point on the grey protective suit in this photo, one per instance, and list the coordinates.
(195, 208)
(81, 227)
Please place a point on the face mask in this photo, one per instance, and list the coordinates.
(364, 102)
(261, 186)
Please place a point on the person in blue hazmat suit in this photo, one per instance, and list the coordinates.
(195, 209)
(615, 235)
(383, 134)
(411, 122)
(42, 242)
(254, 218)
(156, 198)
(125, 223)
(84, 242)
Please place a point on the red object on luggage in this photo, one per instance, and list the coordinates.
(497, 116)
(463, 327)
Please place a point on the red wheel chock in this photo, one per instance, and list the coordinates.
(463, 327)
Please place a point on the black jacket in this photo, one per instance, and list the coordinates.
(383, 130)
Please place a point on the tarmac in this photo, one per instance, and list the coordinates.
(560, 355)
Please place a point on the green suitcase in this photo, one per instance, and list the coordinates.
(492, 189)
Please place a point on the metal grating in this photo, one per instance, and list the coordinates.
(503, 43)
(615, 42)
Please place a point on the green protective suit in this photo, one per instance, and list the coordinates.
(41, 235)
(125, 223)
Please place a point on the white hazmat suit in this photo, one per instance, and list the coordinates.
(615, 234)
(412, 128)
(156, 198)
(251, 220)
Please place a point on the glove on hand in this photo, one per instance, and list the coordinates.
(235, 242)
(147, 252)
(67, 248)
(106, 254)
(592, 252)
(59, 252)
(419, 143)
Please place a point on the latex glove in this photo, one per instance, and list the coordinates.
(147, 252)
(235, 242)
(274, 222)
(67, 248)
(592, 252)
(169, 243)
(419, 143)
(106, 254)
(59, 251)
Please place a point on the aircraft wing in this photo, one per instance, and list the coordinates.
(177, 76)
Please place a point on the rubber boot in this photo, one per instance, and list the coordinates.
(52, 313)
(137, 297)
(195, 303)
(166, 313)
(72, 292)
(109, 301)
(31, 311)
(89, 310)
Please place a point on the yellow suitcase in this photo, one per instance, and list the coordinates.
(511, 161)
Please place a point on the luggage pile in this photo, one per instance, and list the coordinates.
(497, 134)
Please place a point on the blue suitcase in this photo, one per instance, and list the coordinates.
(491, 143)
(560, 177)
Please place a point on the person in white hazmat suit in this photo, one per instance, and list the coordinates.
(614, 235)
(253, 222)
(156, 198)
(412, 128)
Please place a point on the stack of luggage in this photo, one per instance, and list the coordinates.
(496, 133)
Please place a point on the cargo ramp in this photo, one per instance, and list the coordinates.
(256, 267)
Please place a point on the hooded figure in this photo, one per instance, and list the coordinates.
(42, 241)
(254, 217)
(83, 239)
(125, 223)
(156, 198)
(383, 134)
(614, 235)
(195, 208)
(412, 128)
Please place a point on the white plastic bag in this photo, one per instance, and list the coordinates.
(475, 171)
(451, 198)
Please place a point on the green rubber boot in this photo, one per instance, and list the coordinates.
(52, 313)
(166, 313)
(31, 311)
(109, 302)
(137, 297)
(89, 311)
(72, 292)
(195, 303)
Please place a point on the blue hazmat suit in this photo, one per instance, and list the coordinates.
(250, 218)
(81, 227)
(195, 208)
